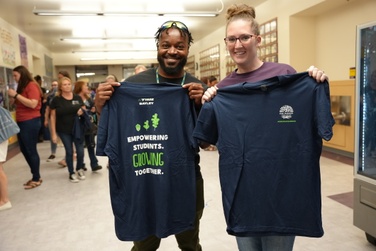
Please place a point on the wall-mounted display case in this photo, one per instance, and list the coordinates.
(365, 132)
(230, 65)
(341, 109)
(210, 62)
(190, 66)
(268, 50)
(342, 98)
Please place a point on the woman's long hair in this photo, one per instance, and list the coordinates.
(25, 79)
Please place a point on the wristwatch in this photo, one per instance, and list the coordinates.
(15, 96)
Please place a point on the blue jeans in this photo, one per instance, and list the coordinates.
(90, 145)
(266, 243)
(28, 140)
(68, 141)
(52, 144)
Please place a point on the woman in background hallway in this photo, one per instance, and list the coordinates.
(139, 68)
(81, 88)
(50, 96)
(60, 75)
(64, 108)
(28, 104)
(42, 133)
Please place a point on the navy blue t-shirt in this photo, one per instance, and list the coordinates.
(269, 137)
(146, 132)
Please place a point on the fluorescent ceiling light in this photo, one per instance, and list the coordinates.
(101, 50)
(93, 59)
(85, 74)
(117, 57)
(135, 14)
(102, 38)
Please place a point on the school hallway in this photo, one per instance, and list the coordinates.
(64, 216)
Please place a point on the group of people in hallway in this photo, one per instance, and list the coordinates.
(28, 99)
(173, 40)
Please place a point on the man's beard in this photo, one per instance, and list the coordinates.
(172, 70)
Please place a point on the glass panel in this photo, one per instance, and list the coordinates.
(341, 109)
(366, 72)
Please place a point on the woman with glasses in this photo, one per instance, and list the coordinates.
(257, 219)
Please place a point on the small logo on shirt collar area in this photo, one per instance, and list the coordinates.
(286, 112)
(146, 101)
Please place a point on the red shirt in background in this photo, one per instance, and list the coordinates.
(23, 112)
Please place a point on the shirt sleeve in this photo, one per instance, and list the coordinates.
(323, 115)
(206, 129)
(102, 133)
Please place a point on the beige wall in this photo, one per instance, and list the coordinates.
(336, 37)
(35, 52)
(310, 32)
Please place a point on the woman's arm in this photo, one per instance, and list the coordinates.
(53, 125)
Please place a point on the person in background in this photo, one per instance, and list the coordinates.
(81, 88)
(212, 81)
(92, 92)
(64, 109)
(28, 100)
(62, 74)
(173, 40)
(4, 199)
(242, 39)
(47, 124)
(204, 80)
(139, 68)
(111, 79)
(38, 79)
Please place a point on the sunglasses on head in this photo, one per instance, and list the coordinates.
(177, 24)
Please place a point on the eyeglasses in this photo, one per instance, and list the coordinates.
(244, 38)
(177, 24)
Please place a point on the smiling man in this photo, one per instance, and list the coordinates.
(155, 86)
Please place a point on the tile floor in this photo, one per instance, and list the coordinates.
(63, 216)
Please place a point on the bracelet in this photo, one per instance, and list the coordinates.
(15, 96)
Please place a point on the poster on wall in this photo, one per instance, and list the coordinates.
(23, 51)
(8, 52)
(48, 65)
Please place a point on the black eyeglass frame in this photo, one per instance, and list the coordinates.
(249, 37)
